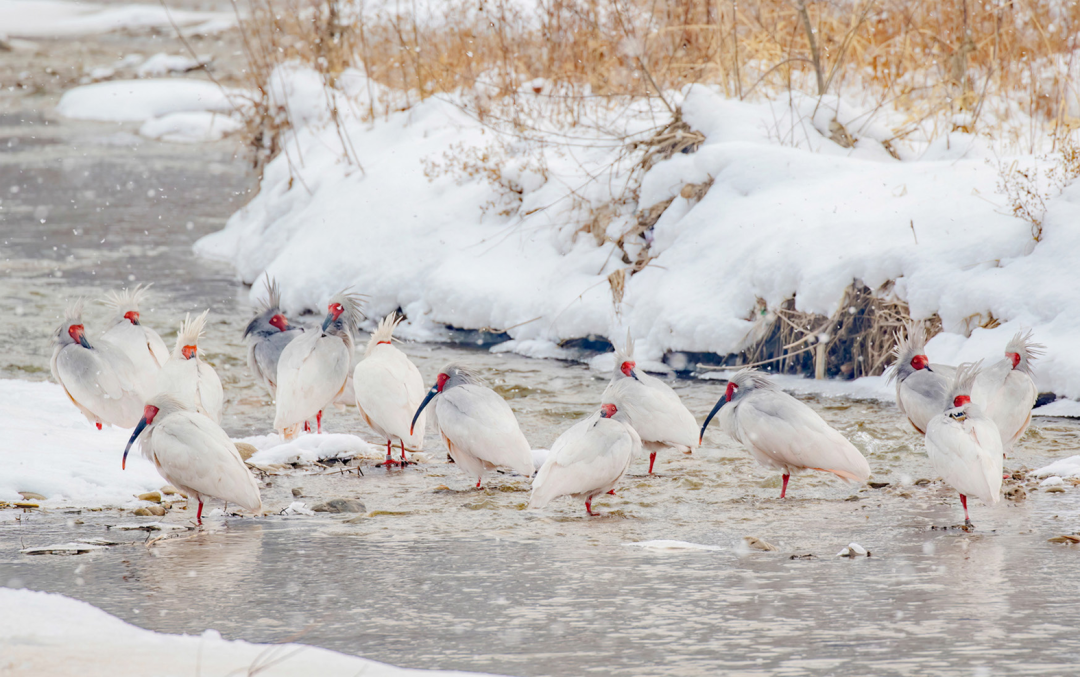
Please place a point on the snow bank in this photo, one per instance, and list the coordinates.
(137, 100)
(47, 634)
(49, 448)
(790, 213)
(57, 18)
(672, 545)
(193, 127)
(308, 448)
(1063, 467)
(162, 64)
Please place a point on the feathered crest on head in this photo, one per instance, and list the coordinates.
(963, 381)
(191, 330)
(273, 295)
(908, 345)
(73, 314)
(352, 303)
(752, 379)
(385, 331)
(1028, 350)
(126, 299)
(625, 353)
(458, 375)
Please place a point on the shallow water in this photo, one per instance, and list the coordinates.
(436, 574)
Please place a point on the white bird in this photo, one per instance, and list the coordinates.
(266, 337)
(478, 426)
(99, 379)
(653, 408)
(194, 455)
(783, 433)
(964, 445)
(314, 367)
(388, 389)
(921, 388)
(587, 460)
(140, 343)
(1006, 392)
(187, 378)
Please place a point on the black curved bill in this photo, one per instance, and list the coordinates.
(723, 400)
(84, 342)
(430, 394)
(138, 429)
(328, 321)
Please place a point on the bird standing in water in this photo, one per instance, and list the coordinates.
(478, 426)
(964, 445)
(1006, 392)
(388, 389)
(783, 433)
(266, 337)
(187, 377)
(654, 409)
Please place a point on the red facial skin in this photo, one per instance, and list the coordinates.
(960, 400)
(149, 413)
(608, 410)
(730, 391)
(76, 331)
(920, 362)
(441, 381)
(336, 309)
(189, 352)
(628, 367)
(132, 316)
(1015, 357)
(380, 343)
(280, 322)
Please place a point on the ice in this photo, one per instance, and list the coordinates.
(162, 64)
(45, 633)
(790, 214)
(137, 100)
(193, 127)
(672, 545)
(56, 18)
(1064, 467)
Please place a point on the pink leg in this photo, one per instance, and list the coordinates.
(963, 500)
(307, 427)
(403, 459)
(98, 424)
(783, 491)
(652, 459)
(198, 514)
(318, 421)
(588, 506)
(612, 492)
(389, 458)
(478, 482)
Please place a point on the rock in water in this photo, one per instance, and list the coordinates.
(246, 450)
(341, 505)
(758, 544)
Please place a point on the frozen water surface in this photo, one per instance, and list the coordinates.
(438, 575)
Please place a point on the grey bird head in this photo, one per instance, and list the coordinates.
(270, 319)
(71, 330)
(451, 376)
(741, 384)
(910, 352)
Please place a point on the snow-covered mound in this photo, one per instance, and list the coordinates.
(55, 18)
(137, 100)
(790, 213)
(191, 127)
(1063, 467)
(49, 634)
(47, 447)
(307, 449)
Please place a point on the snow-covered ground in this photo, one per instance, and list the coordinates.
(55, 18)
(790, 213)
(49, 634)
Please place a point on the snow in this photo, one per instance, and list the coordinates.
(45, 633)
(790, 214)
(307, 448)
(162, 64)
(138, 100)
(1064, 408)
(1063, 467)
(193, 127)
(49, 448)
(672, 545)
(57, 18)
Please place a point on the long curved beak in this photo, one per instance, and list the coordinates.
(134, 435)
(83, 342)
(633, 374)
(430, 394)
(723, 400)
(328, 321)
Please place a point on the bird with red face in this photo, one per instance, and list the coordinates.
(187, 377)
(139, 342)
(1006, 391)
(781, 432)
(314, 367)
(654, 409)
(921, 388)
(266, 336)
(964, 445)
(588, 460)
(478, 426)
(193, 454)
(98, 377)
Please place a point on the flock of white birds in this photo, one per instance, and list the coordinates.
(126, 377)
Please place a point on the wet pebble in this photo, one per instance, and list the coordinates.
(758, 544)
(152, 496)
(150, 511)
(297, 492)
(1015, 494)
(853, 550)
(31, 496)
(340, 505)
(1071, 539)
(168, 490)
(246, 450)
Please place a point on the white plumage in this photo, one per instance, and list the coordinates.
(783, 433)
(388, 389)
(189, 379)
(654, 409)
(478, 426)
(588, 460)
(1005, 391)
(314, 367)
(194, 454)
(100, 380)
(964, 445)
(921, 388)
(140, 343)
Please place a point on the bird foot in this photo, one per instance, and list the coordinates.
(612, 492)
(98, 424)
(391, 461)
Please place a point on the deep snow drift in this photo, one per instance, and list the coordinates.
(53, 18)
(790, 213)
(46, 634)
